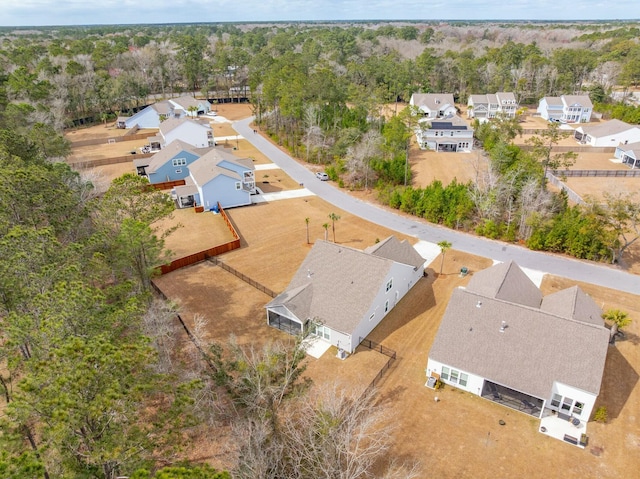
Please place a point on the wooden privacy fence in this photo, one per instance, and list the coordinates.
(598, 173)
(166, 185)
(200, 256)
(108, 161)
(112, 139)
(208, 253)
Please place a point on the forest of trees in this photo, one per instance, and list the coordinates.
(90, 381)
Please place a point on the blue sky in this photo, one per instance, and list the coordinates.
(75, 12)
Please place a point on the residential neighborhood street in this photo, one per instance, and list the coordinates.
(599, 274)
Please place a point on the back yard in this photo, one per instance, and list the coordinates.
(458, 436)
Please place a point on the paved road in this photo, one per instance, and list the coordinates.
(602, 275)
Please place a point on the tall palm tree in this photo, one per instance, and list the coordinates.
(326, 230)
(192, 109)
(306, 221)
(619, 320)
(444, 246)
(333, 217)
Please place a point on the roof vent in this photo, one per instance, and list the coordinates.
(503, 326)
(309, 273)
(479, 304)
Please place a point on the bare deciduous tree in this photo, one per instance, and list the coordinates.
(159, 323)
(359, 158)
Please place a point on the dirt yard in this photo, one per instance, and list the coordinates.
(427, 166)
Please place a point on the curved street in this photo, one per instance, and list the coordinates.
(603, 275)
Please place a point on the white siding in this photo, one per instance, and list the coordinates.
(190, 133)
(575, 394)
(404, 278)
(474, 383)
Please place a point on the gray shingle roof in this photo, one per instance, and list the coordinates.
(205, 168)
(479, 99)
(162, 107)
(186, 101)
(635, 147)
(553, 100)
(507, 282)
(573, 303)
(536, 348)
(173, 123)
(399, 251)
(506, 96)
(582, 100)
(168, 152)
(433, 101)
(342, 283)
(607, 128)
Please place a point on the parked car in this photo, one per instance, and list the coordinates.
(322, 176)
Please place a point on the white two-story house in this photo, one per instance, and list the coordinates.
(432, 106)
(450, 134)
(195, 132)
(218, 176)
(489, 106)
(566, 108)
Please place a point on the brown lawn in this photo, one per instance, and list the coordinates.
(196, 232)
(97, 131)
(95, 152)
(460, 423)
(458, 436)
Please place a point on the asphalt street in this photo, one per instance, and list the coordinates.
(600, 274)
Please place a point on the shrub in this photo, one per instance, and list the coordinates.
(601, 414)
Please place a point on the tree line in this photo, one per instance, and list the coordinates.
(95, 380)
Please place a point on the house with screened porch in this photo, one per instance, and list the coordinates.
(544, 356)
(339, 294)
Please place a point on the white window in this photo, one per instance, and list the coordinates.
(238, 185)
(179, 162)
(179, 170)
(386, 306)
(389, 285)
(566, 404)
(454, 376)
(320, 331)
(577, 408)
(555, 401)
